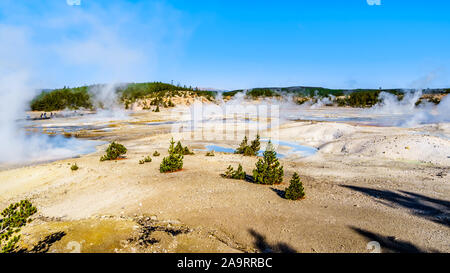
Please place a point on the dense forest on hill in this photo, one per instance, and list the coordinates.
(82, 97)
(342, 97)
(64, 98)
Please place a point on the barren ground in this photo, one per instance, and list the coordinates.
(384, 184)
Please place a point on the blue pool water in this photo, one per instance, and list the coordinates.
(296, 148)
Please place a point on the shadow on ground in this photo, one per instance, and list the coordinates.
(432, 209)
(44, 245)
(263, 246)
(390, 244)
(249, 178)
(280, 193)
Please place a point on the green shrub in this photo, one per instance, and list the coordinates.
(211, 153)
(268, 170)
(232, 174)
(249, 150)
(74, 167)
(173, 162)
(186, 151)
(156, 153)
(114, 151)
(147, 159)
(13, 218)
(295, 191)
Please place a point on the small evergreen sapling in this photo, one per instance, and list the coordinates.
(249, 150)
(114, 151)
(242, 146)
(147, 159)
(232, 174)
(186, 151)
(173, 162)
(295, 191)
(179, 149)
(13, 218)
(268, 170)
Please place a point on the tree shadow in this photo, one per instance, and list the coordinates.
(432, 209)
(280, 193)
(249, 178)
(263, 246)
(389, 244)
(44, 245)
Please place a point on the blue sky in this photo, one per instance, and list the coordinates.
(229, 44)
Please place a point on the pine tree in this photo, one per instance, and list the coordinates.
(256, 145)
(295, 191)
(179, 149)
(239, 174)
(268, 170)
(249, 150)
(242, 146)
(186, 151)
(14, 217)
(173, 162)
(232, 174)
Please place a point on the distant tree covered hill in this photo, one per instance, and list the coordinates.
(59, 99)
(343, 97)
(83, 97)
(160, 94)
(309, 91)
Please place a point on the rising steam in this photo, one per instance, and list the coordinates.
(412, 114)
